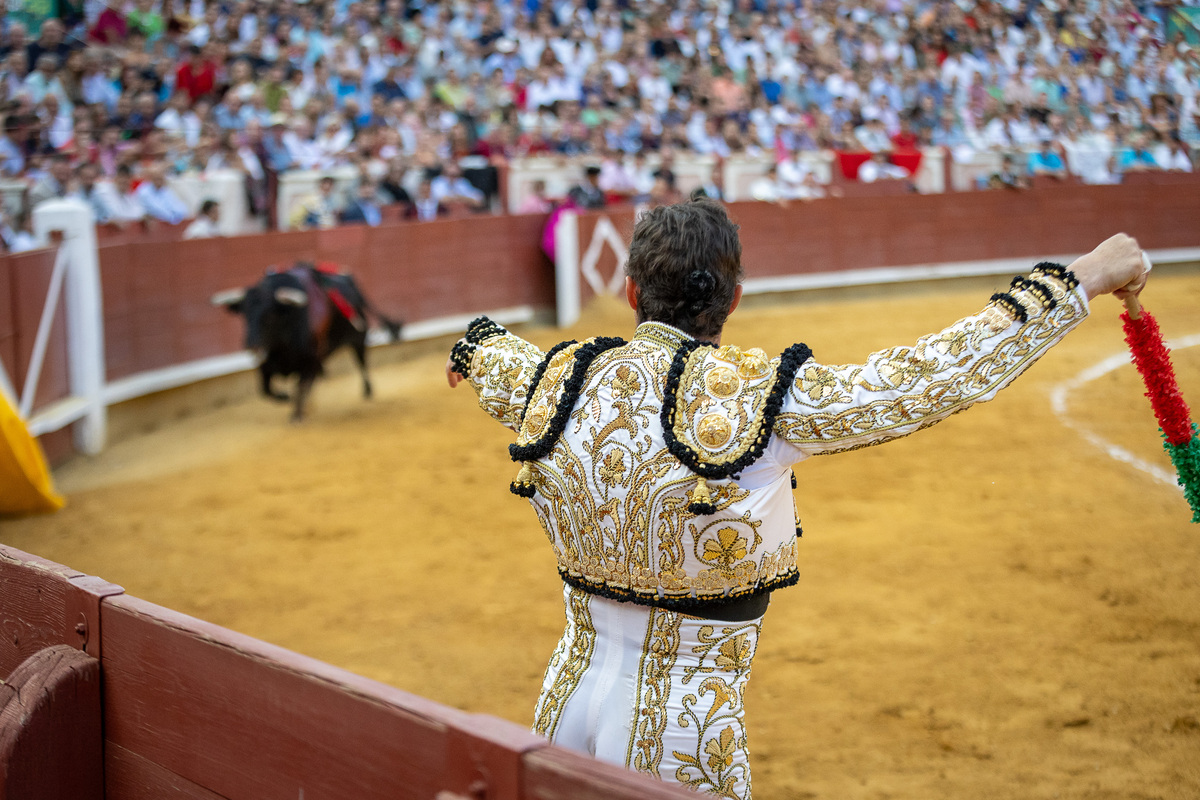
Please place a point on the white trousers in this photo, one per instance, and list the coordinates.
(656, 691)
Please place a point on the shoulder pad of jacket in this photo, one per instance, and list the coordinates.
(721, 403)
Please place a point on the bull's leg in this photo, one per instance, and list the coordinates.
(303, 387)
(266, 374)
(360, 353)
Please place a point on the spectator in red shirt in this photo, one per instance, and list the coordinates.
(495, 145)
(196, 76)
(110, 28)
(905, 139)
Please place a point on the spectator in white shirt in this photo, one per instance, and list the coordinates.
(873, 136)
(96, 86)
(1089, 155)
(1024, 132)
(564, 86)
(57, 120)
(1091, 86)
(205, 224)
(450, 188)
(1138, 85)
(120, 199)
(53, 183)
(792, 173)
(301, 148)
(618, 72)
(541, 92)
(654, 87)
(200, 34)
(334, 141)
(707, 140)
(1173, 156)
(12, 159)
(879, 168)
(87, 189)
(768, 188)
(995, 133)
(178, 121)
(810, 189)
(575, 53)
(159, 199)
(18, 237)
(425, 206)
(45, 81)
(1189, 126)
(882, 110)
(615, 177)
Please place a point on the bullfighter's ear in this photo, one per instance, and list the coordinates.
(230, 298)
(288, 296)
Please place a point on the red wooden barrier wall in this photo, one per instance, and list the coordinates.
(50, 742)
(197, 712)
(1158, 209)
(156, 310)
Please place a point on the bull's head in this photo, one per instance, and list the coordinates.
(273, 309)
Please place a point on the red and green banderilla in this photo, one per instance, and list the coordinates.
(1153, 361)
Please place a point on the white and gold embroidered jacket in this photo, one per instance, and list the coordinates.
(660, 468)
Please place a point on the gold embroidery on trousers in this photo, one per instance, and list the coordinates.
(569, 662)
(719, 765)
(659, 651)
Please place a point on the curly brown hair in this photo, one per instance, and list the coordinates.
(686, 260)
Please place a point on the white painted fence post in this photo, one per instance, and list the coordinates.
(566, 268)
(84, 308)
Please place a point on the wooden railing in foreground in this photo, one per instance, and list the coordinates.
(109, 696)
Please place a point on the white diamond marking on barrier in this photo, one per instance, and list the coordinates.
(42, 338)
(605, 231)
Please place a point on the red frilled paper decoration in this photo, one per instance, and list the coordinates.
(1153, 361)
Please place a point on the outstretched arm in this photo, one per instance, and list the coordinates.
(902, 390)
(498, 365)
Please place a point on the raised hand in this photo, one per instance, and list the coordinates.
(1116, 265)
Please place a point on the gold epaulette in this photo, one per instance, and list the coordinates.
(720, 401)
(552, 395)
(719, 407)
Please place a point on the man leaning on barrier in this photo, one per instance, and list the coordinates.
(661, 470)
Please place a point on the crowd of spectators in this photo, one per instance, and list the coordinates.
(422, 97)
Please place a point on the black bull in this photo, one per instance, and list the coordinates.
(296, 319)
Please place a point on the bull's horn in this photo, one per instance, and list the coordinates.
(291, 297)
(228, 297)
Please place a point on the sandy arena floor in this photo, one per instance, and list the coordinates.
(994, 608)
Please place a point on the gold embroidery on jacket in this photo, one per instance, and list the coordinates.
(614, 502)
(906, 378)
(547, 395)
(720, 413)
(505, 366)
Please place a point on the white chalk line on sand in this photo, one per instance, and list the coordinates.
(1058, 402)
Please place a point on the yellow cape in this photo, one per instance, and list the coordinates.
(25, 484)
